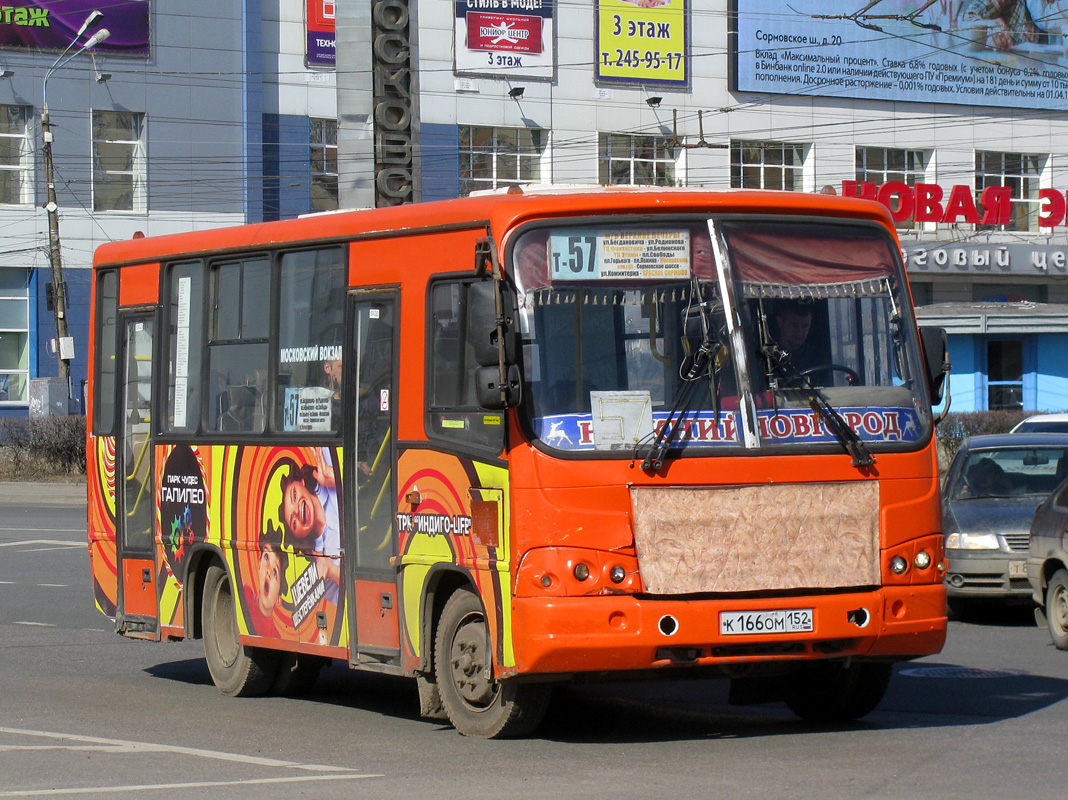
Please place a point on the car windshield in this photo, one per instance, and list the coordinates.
(726, 333)
(1010, 471)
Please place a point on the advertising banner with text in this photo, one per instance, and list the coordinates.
(505, 38)
(53, 24)
(320, 25)
(1005, 53)
(642, 41)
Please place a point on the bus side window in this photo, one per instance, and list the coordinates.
(311, 323)
(238, 350)
(453, 413)
(107, 313)
(185, 342)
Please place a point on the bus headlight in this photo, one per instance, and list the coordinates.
(898, 565)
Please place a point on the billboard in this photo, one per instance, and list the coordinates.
(53, 24)
(505, 38)
(1009, 53)
(642, 41)
(320, 27)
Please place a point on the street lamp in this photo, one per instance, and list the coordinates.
(64, 344)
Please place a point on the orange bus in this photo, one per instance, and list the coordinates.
(502, 442)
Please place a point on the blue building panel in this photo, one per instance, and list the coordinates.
(1052, 373)
(440, 162)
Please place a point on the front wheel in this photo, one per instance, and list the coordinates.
(476, 703)
(833, 692)
(1057, 609)
(236, 670)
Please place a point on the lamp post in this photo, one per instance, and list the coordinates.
(64, 346)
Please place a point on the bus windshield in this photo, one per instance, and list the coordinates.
(712, 333)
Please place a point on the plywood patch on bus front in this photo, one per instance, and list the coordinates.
(757, 538)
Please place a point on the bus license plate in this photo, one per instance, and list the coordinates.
(796, 620)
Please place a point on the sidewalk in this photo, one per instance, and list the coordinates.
(39, 493)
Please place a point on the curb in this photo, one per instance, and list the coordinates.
(43, 493)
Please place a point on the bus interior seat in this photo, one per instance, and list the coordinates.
(240, 406)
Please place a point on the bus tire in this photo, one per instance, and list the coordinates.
(237, 670)
(1057, 609)
(830, 691)
(477, 704)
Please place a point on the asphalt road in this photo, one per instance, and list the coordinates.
(86, 713)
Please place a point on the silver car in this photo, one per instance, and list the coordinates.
(989, 498)
(1047, 565)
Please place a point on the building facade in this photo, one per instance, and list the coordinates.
(244, 110)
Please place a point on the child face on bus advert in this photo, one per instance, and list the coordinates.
(301, 511)
(270, 580)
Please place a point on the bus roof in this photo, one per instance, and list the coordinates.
(499, 211)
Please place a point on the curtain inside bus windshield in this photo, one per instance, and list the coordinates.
(822, 307)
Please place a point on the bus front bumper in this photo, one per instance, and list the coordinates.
(609, 633)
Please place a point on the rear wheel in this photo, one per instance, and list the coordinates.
(830, 691)
(236, 670)
(476, 703)
(1057, 609)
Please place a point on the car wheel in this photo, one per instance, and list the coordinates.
(1057, 609)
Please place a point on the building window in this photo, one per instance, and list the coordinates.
(16, 156)
(881, 165)
(119, 161)
(14, 335)
(1004, 370)
(767, 165)
(636, 160)
(1021, 174)
(324, 164)
(494, 157)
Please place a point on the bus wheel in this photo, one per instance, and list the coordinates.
(833, 692)
(476, 703)
(237, 670)
(1057, 609)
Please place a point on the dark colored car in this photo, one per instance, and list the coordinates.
(1047, 565)
(989, 498)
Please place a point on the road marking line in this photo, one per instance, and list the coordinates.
(42, 530)
(39, 624)
(199, 785)
(56, 542)
(53, 585)
(149, 747)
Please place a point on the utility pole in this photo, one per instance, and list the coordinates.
(64, 345)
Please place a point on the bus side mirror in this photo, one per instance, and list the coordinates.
(488, 383)
(936, 354)
(482, 323)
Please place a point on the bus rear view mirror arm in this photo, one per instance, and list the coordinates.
(491, 394)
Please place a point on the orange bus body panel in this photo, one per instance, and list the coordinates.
(139, 285)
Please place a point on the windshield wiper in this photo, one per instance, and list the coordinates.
(706, 360)
(778, 366)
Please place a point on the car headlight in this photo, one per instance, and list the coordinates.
(972, 541)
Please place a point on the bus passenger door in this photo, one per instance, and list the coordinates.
(371, 533)
(137, 612)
